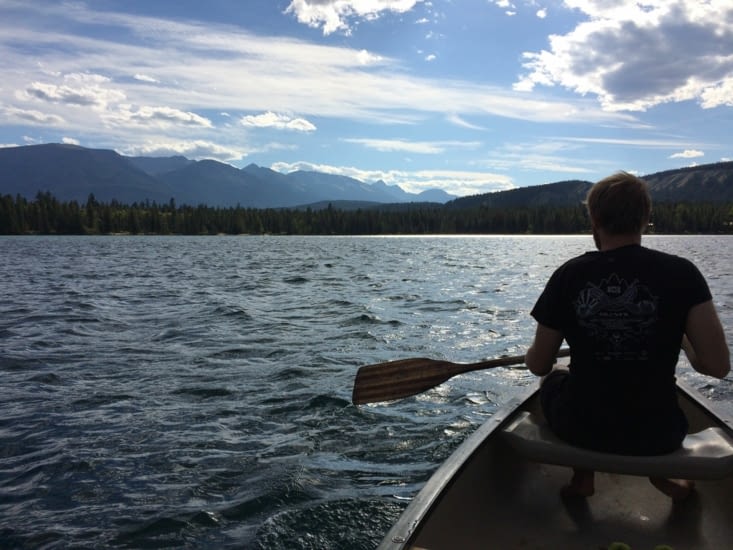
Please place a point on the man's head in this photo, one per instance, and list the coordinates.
(619, 204)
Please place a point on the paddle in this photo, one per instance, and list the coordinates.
(405, 377)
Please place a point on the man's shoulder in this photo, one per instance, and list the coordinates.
(664, 257)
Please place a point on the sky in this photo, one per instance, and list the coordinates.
(468, 96)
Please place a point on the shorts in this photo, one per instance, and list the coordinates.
(555, 403)
(637, 435)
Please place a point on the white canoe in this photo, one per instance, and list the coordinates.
(501, 489)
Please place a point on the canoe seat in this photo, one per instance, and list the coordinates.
(707, 454)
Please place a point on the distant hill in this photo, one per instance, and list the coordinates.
(550, 194)
(704, 183)
(71, 172)
(435, 195)
(708, 182)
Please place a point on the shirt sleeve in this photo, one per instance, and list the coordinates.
(698, 290)
(549, 308)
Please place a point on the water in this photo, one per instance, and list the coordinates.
(194, 392)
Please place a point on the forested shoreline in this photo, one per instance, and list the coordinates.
(46, 215)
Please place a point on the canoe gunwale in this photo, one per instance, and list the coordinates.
(706, 406)
(401, 532)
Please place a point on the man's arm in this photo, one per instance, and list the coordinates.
(542, 353)
(704, 341)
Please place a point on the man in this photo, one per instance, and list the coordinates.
(624, 311)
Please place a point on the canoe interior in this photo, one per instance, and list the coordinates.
(502, 501)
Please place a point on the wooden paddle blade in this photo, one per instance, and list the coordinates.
(405, 377)
(397, 379)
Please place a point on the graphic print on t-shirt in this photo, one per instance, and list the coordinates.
(617, 316)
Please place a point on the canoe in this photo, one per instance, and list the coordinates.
(501, 489)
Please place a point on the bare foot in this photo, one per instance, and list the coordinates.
(581, 484)
(676, 489)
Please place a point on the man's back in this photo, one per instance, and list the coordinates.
(623, 312)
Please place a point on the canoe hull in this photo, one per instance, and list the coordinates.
(487, 496)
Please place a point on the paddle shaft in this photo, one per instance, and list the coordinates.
(406, 377)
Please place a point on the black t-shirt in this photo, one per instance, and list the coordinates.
(623, 314)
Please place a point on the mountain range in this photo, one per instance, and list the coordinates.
(70, 172)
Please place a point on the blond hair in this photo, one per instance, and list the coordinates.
(620, 204)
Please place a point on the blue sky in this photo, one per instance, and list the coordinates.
(469, 96)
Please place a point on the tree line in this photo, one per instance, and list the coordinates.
(46, 215)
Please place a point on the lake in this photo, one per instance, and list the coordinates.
(194, 392)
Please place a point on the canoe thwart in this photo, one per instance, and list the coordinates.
(707, 454)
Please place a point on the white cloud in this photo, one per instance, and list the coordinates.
(457, 182)
(632, 142)
(687, 154)
(335, 15)
(719, 94)
(85, 90)
(634, 55)
(459, 121)
(155, 117)
(280, 122)
(542, 13)
(195, 149)
(430, 57)
(145, 78)
(367, 58)
(30, 116)
(273, 146)
(566, 154)
(69, 141)
(419, 147)
(531, 161)
(504, 4)
(546, 156)
(509, 8)
(398, 145)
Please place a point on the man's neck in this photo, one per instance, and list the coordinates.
(607, 241)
